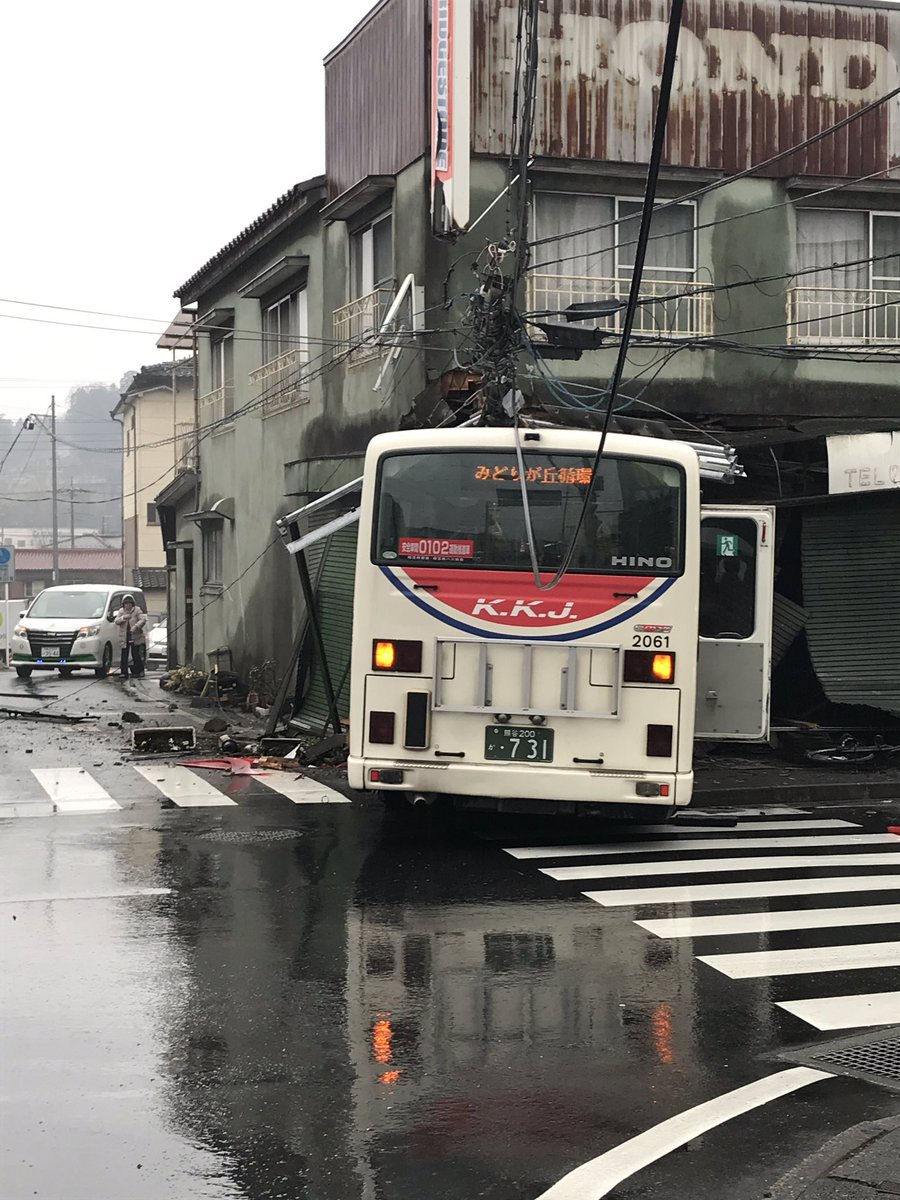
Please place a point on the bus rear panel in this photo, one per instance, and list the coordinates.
(470, 681)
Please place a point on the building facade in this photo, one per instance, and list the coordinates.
(770, 302)
(157, 417)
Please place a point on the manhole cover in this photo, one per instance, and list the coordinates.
(874, 1058)
(249, 835)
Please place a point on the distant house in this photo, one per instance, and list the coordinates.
(34, 569)
(157, 416)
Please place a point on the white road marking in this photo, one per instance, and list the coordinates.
(183, 787)
(847, 1012)
(808, 961)
(700, 866)
(598, 1177)
(768, 922)
(745, 890)
(717, 843)
(301, 789)
(73, 790)
(52, 898)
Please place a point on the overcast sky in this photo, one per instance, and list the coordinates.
(138, 139)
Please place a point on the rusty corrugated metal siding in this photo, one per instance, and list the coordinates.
(376, 100)
(754, 77)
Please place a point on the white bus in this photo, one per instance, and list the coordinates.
(471, 682)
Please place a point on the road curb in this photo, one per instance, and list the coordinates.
(845, 791)
(851, 1143)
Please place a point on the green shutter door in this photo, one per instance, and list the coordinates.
(334, 596)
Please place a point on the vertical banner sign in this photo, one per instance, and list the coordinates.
(451, 53)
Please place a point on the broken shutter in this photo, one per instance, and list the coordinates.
(851, 586)
(334, 602)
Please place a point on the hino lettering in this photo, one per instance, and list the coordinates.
(664, 564)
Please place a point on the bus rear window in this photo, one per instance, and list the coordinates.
(463, 508)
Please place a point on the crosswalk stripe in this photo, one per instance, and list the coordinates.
(745, 890)
(718, 843)
(846, 1012)
(73, 790)
(701, 866)
(301, 789)
(810, 960)
(769, 922)
(182, 786)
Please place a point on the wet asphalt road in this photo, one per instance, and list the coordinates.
(318, 1001)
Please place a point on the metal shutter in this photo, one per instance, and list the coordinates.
(851, 591)
(334, 596)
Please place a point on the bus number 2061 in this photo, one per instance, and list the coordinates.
(650, 641)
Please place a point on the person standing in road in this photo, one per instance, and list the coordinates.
(132, 622)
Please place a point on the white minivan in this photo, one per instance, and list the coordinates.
(70, 627)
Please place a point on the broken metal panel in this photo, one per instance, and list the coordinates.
(754, 77)
(788, 620)
(851, 585)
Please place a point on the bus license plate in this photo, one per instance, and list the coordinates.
(518, 743)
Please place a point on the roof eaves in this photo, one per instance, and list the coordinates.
(295, 200)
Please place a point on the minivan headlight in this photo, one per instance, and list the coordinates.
(88, 631)
(20, 630)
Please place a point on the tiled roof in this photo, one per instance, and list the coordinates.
(291, 196)
(150, 577)
(69, 560)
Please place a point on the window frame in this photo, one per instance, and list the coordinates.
(358, 286)
(154, 519)
(297, 340)
(560, 268)
(870, 214)
(211, 553)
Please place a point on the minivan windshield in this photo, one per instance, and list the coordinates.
(61, 603)
(463, 508)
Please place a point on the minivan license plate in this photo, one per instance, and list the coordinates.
(518, 743)
(50, 652)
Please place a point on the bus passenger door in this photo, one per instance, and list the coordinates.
(737, 552)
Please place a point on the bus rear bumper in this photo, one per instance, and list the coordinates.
(508, 781)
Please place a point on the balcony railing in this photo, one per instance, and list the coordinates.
(355, 324)
(185, 446)
(844, 316)
(281, 382)
(216, 406)
(659, 313)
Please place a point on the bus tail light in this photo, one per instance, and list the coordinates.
(647, 666)
(397, 656)
(385, 775)
(659, 741)
(651, 789)
(381, 728)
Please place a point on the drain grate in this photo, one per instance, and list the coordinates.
(872, 1058)
(249, 835)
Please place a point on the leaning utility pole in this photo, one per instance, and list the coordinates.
(54, 497)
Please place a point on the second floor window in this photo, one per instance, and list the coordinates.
(222, 370)
(595, 236)
(848, 282)
(212, 553)
(372, 256)
(285, 326)
(588, 257)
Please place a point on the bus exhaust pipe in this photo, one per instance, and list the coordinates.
(421, 800)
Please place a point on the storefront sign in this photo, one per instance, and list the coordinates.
(451, 52)
(863, 462)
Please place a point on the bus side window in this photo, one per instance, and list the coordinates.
(727, 578)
